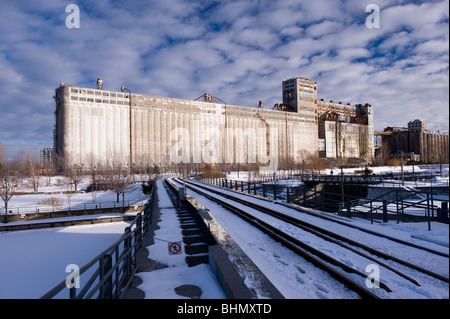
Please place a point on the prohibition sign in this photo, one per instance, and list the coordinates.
(175, 248)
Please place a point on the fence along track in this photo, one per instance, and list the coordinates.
(307, 252)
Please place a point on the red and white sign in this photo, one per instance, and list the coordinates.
(175, 248)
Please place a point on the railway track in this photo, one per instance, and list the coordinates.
(336, 268)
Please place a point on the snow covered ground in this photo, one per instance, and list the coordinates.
(31, 203)
(32, 262)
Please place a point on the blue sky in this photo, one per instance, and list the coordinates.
(239, 51)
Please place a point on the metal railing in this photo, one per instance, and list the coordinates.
(399, 204)
(72, 207)
(110, 272)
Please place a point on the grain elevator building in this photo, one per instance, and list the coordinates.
(137, 128)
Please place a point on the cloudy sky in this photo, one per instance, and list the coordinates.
(239, 51)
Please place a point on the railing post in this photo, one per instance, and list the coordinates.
(385, 214)
(348, 206)
(105, 266)
(428, 211)
(371, 212)
(126, 250)
(432, 202)
(396, 202)
(139, 228)
(402, 210)
(72, 289)
(322, 200)
(116, 252)
(274, 191)
(444, 212)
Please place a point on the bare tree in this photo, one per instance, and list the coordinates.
(69, 192)
(32, 172)
(9, 182)
(93, 166)
(303, 156)
(18, 165)
(3, 159)
(114, 174)
(385, 152)
(73, 172)
(9, 185)
(210, 171)
(315, 163)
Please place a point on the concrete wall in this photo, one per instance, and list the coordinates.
(345, 140)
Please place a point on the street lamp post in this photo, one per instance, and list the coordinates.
(342, 187)
(123, 192)
(123, 89)
(273, 169)
(401, 163)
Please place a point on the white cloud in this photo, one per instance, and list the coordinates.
(323, 28)
(238, 50)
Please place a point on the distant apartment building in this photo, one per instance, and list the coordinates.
(47, 157)
(417, 125)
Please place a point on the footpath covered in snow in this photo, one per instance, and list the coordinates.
(173, 278)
